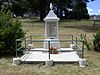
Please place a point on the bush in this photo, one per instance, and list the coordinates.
(10, 30)
(96, 41)
(85, 41)
(95, 44)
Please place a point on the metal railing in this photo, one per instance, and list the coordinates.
(39, 43)
(79, 47)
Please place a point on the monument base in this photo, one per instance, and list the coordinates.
(49, 62)
(16, 61)
(53, 43)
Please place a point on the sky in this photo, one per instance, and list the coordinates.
(94, 7)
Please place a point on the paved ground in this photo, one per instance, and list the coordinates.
(41, 56)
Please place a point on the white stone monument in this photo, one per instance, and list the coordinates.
(51, 29)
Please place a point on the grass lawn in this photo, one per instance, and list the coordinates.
(93, 68)
(33, 26)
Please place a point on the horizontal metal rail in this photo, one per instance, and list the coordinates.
(19, 48)
(37, 40)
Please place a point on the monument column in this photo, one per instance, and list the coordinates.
(51, 29)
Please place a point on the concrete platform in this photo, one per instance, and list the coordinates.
(40, 56)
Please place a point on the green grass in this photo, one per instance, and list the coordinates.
(34, 26)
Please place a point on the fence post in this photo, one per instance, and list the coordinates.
(25, 43)
(82, 50)
(16, 47)
(31, 39)
(49, 48)
(76, 43)
(72, 39)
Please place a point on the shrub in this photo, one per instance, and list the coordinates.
(85, 42)
(95, 44)
(10, 30)
(96, 41)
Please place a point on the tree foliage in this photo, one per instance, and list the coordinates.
(79, 10)
(10, 30)
(63, 8)
(20, 7)
(42, 8)
(75, 9)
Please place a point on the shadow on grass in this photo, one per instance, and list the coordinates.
(43, 63)
(7, 55)
(65, 63)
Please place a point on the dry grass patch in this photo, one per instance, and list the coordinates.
(93, 67)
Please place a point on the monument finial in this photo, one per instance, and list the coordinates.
(51, 6)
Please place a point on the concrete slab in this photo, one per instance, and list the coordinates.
(38, 56)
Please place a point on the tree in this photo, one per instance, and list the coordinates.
(20, 7)
(42, 8)
(10, 30)
(34, 5)
(79, 10)
(60, 7)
